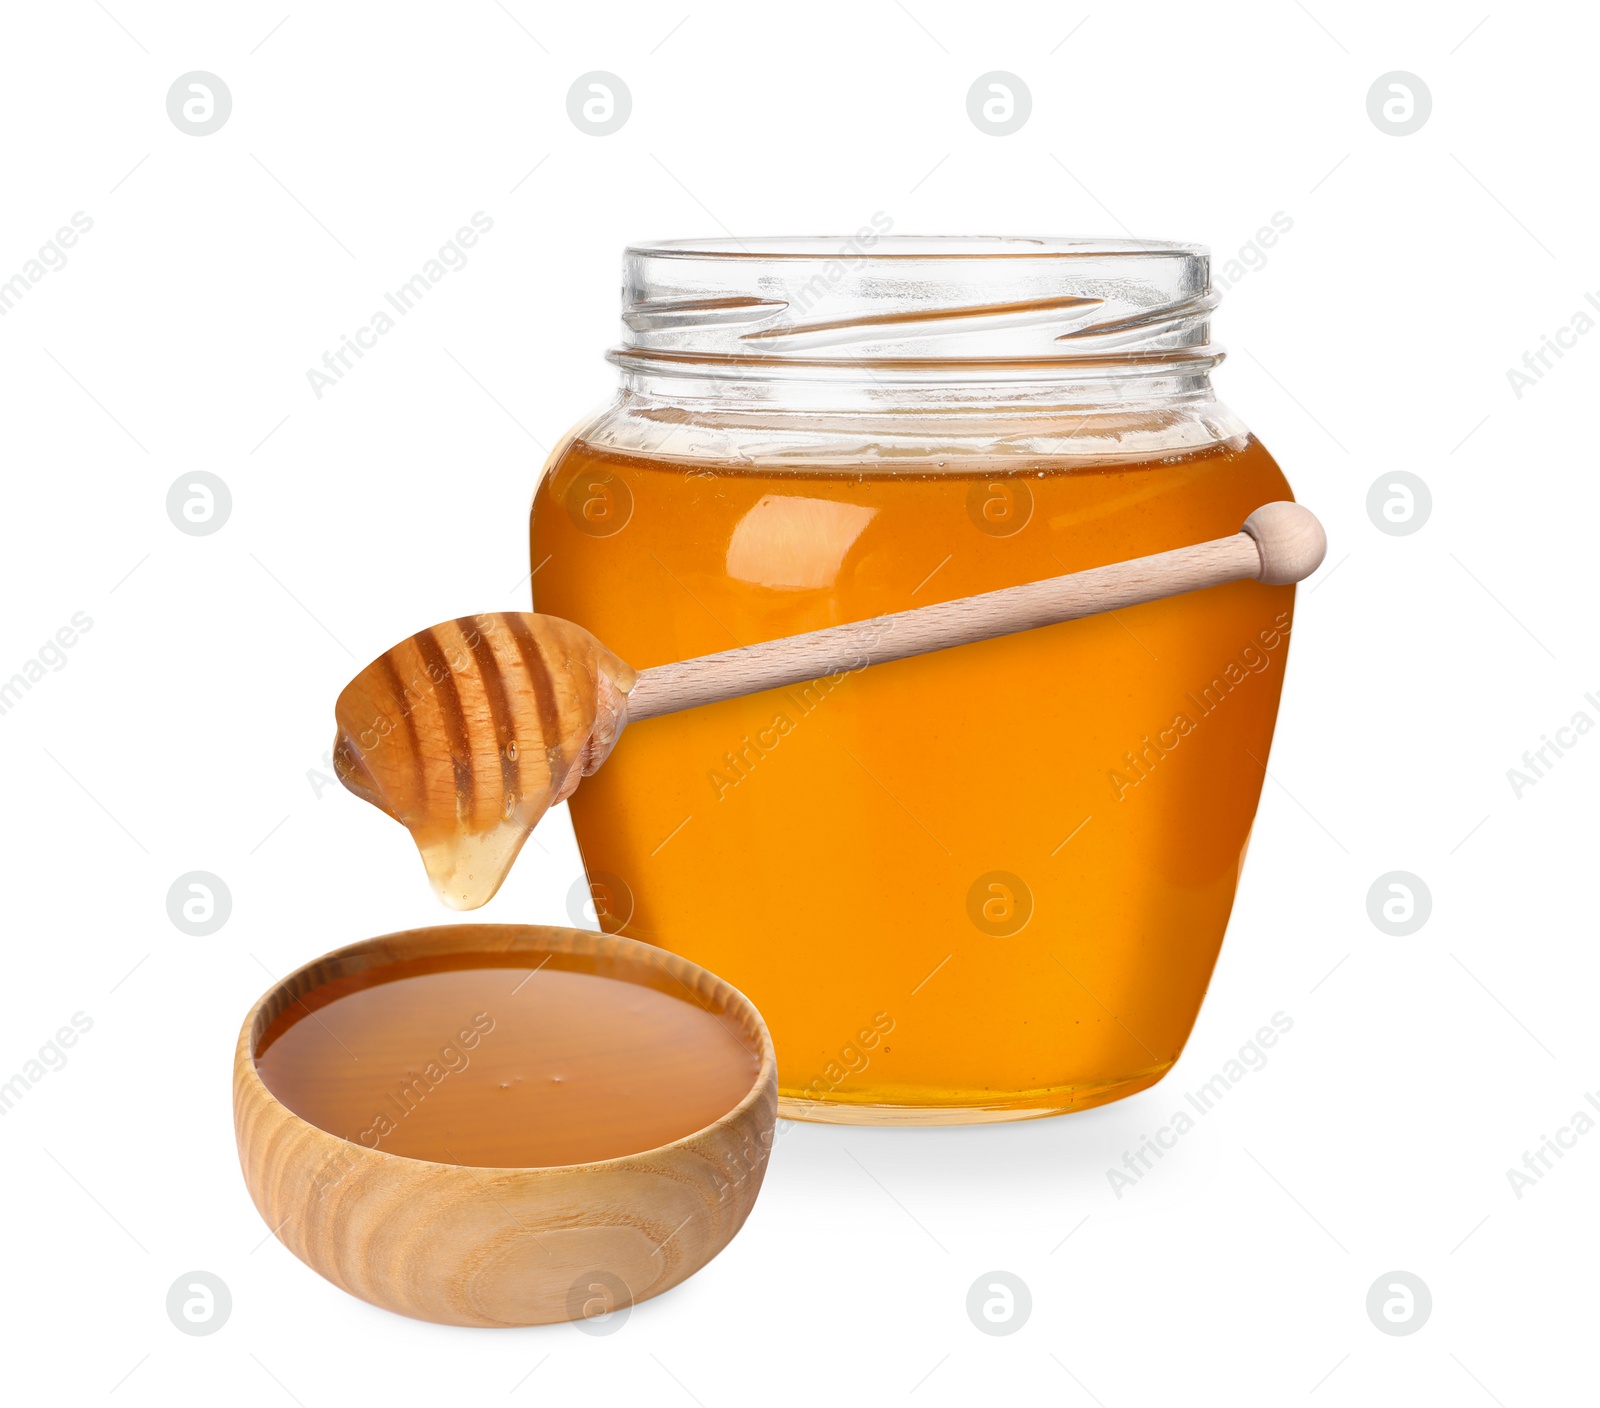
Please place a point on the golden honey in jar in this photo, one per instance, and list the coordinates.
(984, 884)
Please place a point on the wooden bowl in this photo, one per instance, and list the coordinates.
(503, 1246)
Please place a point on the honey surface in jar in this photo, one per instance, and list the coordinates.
(508, 1065)
(985, 883)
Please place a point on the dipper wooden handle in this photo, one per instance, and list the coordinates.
(1280, 543)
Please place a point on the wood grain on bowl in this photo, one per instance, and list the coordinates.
(466, 1245)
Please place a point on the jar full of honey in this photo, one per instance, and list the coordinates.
(984, 884)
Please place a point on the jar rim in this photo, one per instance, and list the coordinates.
(904, 247)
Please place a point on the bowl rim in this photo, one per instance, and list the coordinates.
(583, 941)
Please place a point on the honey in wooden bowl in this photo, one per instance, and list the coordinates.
(503, 1061)
(490, 1124)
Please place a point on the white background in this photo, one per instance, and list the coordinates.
(180, 732)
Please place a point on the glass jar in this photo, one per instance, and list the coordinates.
(984, 884)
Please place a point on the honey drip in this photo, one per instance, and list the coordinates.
(470, 731)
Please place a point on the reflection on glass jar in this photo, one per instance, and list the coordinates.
(985, 884)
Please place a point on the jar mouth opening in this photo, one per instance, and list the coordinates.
(889, 248)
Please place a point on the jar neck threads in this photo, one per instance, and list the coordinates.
(923, 322)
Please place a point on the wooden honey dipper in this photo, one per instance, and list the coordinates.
(469, 731)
